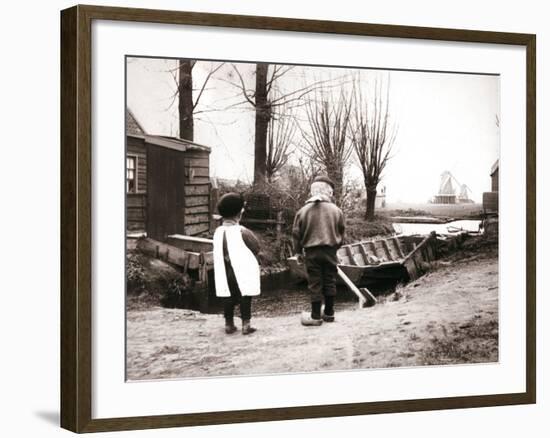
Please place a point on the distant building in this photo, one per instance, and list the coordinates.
(464, 196)
(490, 199)
(167, 183)
(447, 192)
(494, 176)
(380, 201)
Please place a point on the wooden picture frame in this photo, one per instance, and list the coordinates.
(76, 217)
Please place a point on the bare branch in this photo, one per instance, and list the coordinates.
(326, 139)
(242, 85)
(278, 72)
(281, 132)
(205, 82)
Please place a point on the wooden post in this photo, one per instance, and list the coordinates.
(214, 197)
(278, 233)
(279, 226)
(202, 264)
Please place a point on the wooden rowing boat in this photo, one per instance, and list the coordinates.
(395, 258)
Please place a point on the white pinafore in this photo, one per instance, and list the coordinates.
(243, 261)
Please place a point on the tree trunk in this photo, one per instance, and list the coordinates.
(263, 115)
(371, 203)
(335, 173)
(185, 105)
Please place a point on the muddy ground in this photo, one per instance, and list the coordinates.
(448, 316)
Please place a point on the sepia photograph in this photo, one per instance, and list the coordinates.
(286, 219)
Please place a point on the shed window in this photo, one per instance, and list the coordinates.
(131, 179)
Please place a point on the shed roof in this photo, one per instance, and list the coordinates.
(175, 143)
(134, 129)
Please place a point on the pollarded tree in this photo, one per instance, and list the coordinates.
(327, 139)
(373, 135)
(280, 140)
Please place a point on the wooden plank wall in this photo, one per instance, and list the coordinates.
(490, 202)
(165, 192)
(494, 181)
(197, 193)
(136, 147)
(136, 211)
(136, 203)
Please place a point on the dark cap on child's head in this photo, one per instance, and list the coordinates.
(230, 205)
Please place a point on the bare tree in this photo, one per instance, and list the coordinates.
(185, 98)
(187, 106)
(263, 116)
(373, 135)
(280, 138)
(327, 140)
(269, 100)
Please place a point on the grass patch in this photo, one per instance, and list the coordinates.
(358, 228)
(457, 211)
(473, 342)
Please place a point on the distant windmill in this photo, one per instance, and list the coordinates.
(464, 194)
(447, 193)
(446, 184)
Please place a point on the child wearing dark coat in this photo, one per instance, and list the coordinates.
(236, 267)
(318, 232)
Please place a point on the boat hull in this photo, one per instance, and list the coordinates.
(381, 261)
(363, 276)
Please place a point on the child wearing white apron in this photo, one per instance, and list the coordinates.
(236, 268)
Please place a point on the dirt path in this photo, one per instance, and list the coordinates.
(448, 316)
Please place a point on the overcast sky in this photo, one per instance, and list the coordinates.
(446, 121)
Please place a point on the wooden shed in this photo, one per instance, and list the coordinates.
(490, 199)
(167, 184)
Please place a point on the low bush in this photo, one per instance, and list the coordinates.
(176, 291)
(152, 282)
(135, 274)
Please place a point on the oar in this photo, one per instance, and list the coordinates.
(355, 289)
